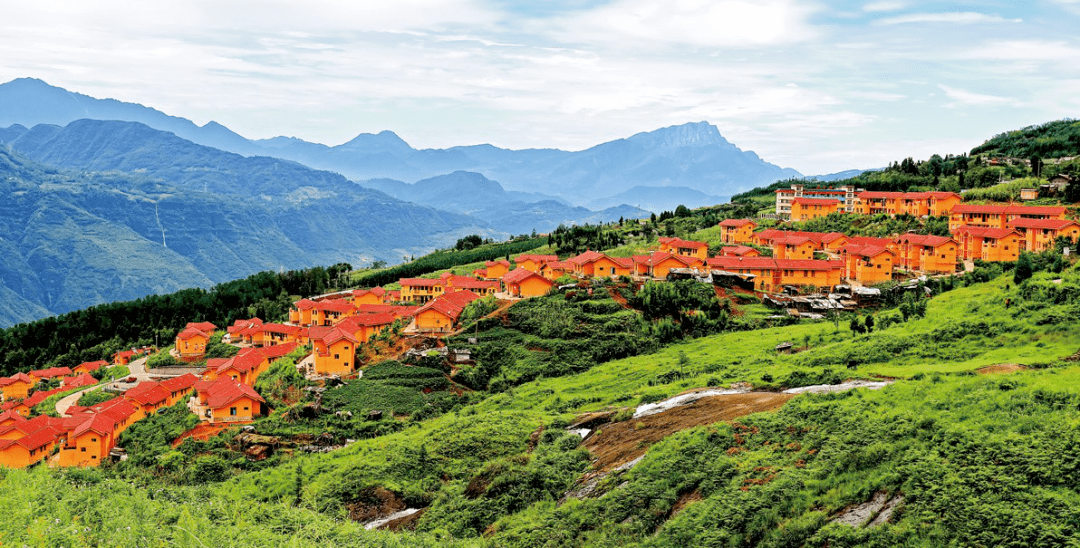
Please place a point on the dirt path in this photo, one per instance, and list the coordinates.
(136, 369)
(622, 442)
(1001, 369)
(203, 431)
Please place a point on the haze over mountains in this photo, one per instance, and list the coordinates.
(106, 200)
(679, 158)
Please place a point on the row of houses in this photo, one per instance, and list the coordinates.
(86, 435)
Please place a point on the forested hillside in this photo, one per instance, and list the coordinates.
(1050, 140)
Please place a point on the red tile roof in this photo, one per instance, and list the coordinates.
(681, 243)
(397, 311)
(225, 391)
(377, 291)
(183, 382)
(792, 240)
(239, 326)
(1048, 224)
(1010, 209)
(867, 240)
(985, 232)
(419, 282)
(535, 258)
(875, 195)
(586, 257)
(190, 333)
(334, 305)
(519, 275)
(11, 415)
(735, 263)
(51, 372)
(737, 250)
(331, 335)
(17, 377)
(735, 223)
(78, 381)
(503, 262)
(98, 423)
(40, 438)
(815, 201)
(450, 305)
(205, 327)
(147, 393)
(93, 366)
(866, 250)
(927, 240)
(276, 351)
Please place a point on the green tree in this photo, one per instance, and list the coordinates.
(1023, 268)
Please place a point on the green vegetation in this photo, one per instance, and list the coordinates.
(878, 226)
(443, 259)
(1050, 140)
(94, 397)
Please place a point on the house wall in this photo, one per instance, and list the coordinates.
(89, 449)
(246, 410)
(816, 278)
(1005, 249)
(606, 267)
(736, 235)
(800, 212)
(17, 391)
(337, 359)
(532, 287)
(191, 347)
(433, 321)
(873, 270)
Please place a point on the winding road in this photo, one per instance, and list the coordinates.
(138, 370)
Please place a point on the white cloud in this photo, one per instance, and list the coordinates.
(966, 98)
(884, 6)
(959, 17)
(705, 23)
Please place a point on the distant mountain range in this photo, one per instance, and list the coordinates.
(689, 157)
(105, 200)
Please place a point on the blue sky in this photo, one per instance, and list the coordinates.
(817, 86)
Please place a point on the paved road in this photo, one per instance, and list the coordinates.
(138, 370)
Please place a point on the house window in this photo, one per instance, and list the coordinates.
(93, 439)
(83, 449)
(337, 357)
(232, 411)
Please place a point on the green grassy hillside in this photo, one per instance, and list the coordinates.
(965, 459)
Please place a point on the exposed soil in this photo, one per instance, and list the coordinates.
(618, 443)
(374, 503)
(1001, 369)
(204, 431)
(684, 501)
(617, 297)
(872, 513)
(407, 523)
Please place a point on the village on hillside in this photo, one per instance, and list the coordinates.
(329, 330)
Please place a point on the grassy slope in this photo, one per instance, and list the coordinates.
(863, 442)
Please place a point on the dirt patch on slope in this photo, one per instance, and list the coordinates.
(619, 443)
(204, 431)
(684, 501)
(1001, 369)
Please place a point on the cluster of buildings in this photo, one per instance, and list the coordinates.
(85, 435)
(985, 232)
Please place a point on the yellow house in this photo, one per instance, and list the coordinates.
(867, 264)
(334, 350)
(225, 400)
(1039, 234)
(493, 270)
(821, 275)
(89, 443)
(930, 254)
(421, 290)
(533, 262)
(739, 251)
(440, 315)
(659, 264)
(191, 343)
(556, 269)
(737, 231)
(375, 295)
(17, 386)
(89, 367)
(988, 244)
(686, 248)
(805, 209)
(525, 283)
(793, 247)
(999, 216)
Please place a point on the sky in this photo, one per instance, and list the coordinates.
(817, 86)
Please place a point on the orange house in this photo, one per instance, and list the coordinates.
(930, 254)
(375, 295)
(822, 275)
(420, 290)
(1039, 234)
(191, 342)
(526, 283)
(29, 449)
(833, 241)
(940, 204)
(484, 288)
(147, 397)
(8, 418)
(999, 216)
(737, 231)
(988, 244)
(16, 387)
(440, 315)
(793, 247)
(554, 270)
(805, 209)
(764, 270)
(867, 264)
(225, 400)
(493, 270)
(686, 248)
(50, 373)
(533, 262)
(366, 326)
(334, 350)
(739, 251)
(593, 263)
(90, 367)
(89, 443)
(659, 264)
(235, 332)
